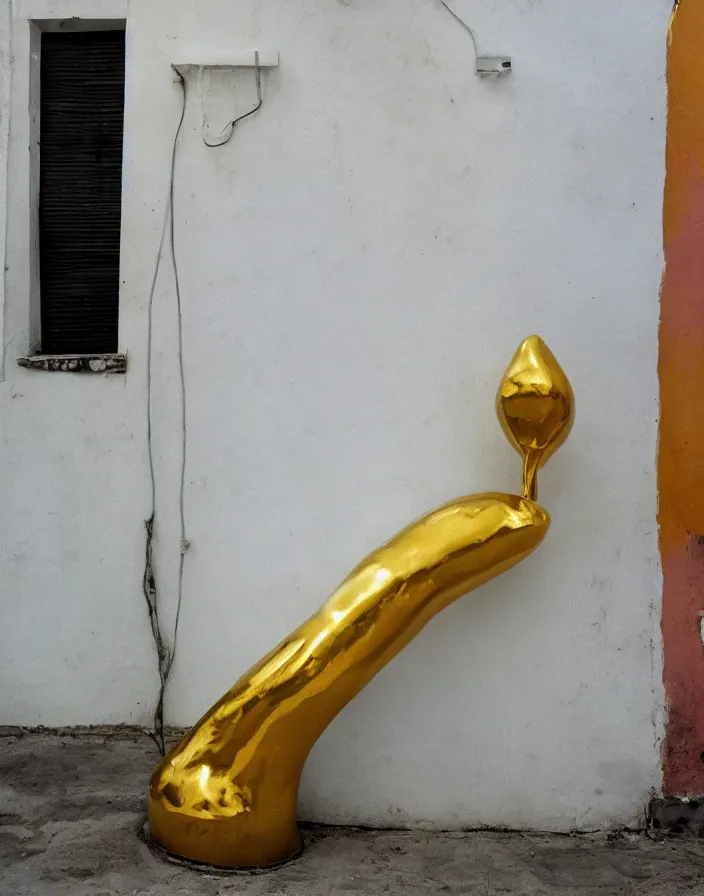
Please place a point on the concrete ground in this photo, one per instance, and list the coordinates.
(71, 809)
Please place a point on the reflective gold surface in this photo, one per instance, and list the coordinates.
(535, 407)
(226, 795)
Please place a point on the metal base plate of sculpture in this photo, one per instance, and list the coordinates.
(226, 794)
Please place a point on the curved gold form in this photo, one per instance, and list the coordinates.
(226, 795)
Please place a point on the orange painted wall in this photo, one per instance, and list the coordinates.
(681, 449)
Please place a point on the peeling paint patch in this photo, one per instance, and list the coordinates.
(76, 363)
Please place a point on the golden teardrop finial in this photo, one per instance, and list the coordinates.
(535, 407)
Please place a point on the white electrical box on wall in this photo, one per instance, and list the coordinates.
(493, 66)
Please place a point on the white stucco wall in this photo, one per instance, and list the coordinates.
(357, 267)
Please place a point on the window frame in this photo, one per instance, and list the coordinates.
(36, 359)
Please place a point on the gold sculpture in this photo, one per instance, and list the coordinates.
(226, 794)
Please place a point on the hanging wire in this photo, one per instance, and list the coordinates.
(464, 25)
(227, 132)
(165, 655)
(185, 544)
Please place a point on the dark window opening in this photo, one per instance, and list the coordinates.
(80, 190)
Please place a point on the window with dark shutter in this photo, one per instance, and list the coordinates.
(80, 190)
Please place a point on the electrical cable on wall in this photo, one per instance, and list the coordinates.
(165, 655)
(464, 25)
(227, 132)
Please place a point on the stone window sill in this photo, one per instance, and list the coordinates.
(76, 363)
